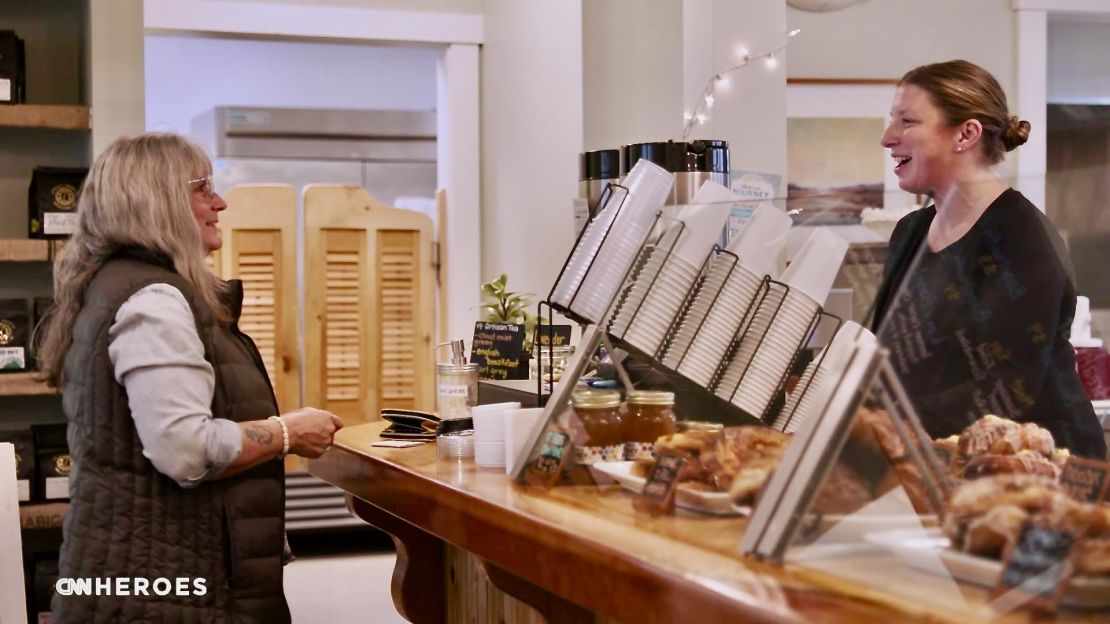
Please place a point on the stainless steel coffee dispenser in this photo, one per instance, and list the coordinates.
(692, 163)
(596, 170)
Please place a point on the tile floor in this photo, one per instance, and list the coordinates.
(341, 578)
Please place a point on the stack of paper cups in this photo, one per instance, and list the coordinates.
(489, 433)
(518, 427)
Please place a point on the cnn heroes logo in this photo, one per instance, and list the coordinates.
(131, 586)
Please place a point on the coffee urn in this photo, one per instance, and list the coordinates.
(692, 163)
(596, 170)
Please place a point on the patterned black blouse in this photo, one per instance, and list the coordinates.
(982, 326)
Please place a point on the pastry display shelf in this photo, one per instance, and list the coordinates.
(56, 117)
(23, 384)
(29, 250)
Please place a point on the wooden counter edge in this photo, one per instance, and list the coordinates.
(548, 556)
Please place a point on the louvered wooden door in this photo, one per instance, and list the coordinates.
(259, 230)
(369, 305)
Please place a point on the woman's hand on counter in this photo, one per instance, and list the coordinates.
(311, 431)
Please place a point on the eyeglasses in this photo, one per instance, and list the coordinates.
(208, 188)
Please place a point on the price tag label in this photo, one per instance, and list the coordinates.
(453, 390)
(1038, 565)
(1086, 480)
(59, 223)
(57, 487)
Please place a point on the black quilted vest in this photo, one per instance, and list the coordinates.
(126, 519)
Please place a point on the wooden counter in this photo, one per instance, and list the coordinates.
(578, 554)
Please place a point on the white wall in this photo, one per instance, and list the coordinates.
(116, 57)
(445, 6)
(749, 112)
(186, 76)
(1079, 61)
(532, 121)
(887, 38)
(632, 71)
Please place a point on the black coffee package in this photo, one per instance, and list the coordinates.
(53, 462)
(43, 581)
(13, 69)
(52, 201)
(24, 462)
(15, 335)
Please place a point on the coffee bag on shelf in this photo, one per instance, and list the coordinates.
(52, 201)
(15, 335)
(13, 69)
(53, 462)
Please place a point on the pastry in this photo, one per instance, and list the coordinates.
(980, 436)
(752, 448)
(1024, 462)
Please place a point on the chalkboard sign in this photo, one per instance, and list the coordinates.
(555, 335)
(553, 455)
(658, 494)
(497, 349)
(1038, 564)
(1086, 480)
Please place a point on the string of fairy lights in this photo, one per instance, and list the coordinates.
(720, 82)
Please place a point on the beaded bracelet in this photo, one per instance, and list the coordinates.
(284, 435)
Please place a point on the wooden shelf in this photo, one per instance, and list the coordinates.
(23, 384)
(42, 515)
(45, 116)
(29, 250)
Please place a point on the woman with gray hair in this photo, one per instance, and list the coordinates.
(174, 429)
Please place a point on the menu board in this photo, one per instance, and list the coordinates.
(497, 349)
(552, 335)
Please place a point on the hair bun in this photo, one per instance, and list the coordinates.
(1016, 133)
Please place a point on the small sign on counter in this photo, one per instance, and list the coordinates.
(1037, 566)
(552, 335)
(657, 497)
(497, 350)
(1086, 480)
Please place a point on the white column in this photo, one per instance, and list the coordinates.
(458, 152)
(117, 95)
(1031, 104)
(631, 71)
(532, 127)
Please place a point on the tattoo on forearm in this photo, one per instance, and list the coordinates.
(259, 434)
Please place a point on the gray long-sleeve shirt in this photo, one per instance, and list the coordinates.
(158, 357)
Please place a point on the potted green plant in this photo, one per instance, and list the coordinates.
(501, 305)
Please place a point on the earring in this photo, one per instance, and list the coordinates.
(959, 148)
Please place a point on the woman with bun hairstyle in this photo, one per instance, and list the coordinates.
(978, 295)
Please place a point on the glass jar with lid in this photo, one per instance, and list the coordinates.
(648, 416)
(550, 362)
(597, 430)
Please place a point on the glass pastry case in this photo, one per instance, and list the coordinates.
(919, 461)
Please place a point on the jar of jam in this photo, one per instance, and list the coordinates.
(598, 426)
(649, 416)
